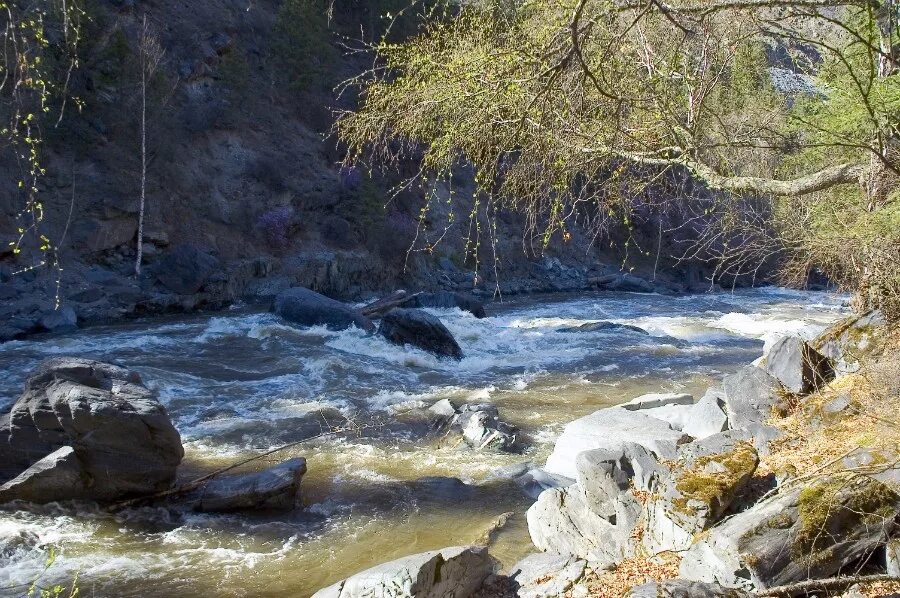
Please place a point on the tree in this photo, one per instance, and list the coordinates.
(150, 54)
(562, 104)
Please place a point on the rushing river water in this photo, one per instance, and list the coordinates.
(238, 383)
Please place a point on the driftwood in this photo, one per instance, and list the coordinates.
(834, 584)
(385, 304)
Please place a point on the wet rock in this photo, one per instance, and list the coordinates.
(708, 476)
(446, 300)
(441, 489)
(603, 327)
(308, 308)
(751, 395)
(681, 588)
(276, 488)
(610, 429)
(801, 533)
(13, 541)
(185, 269)
(799, 367)
(479, 425)
(456, 572)
(90, 415)
(707, 416)
(535, 480)
(547, 574)
(420, 329)
(61, 320)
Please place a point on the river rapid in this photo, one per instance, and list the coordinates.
(238, 383)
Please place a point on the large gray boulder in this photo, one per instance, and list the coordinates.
(802, 533)
(547, 575)
(276, 488)
(610, 429)
(419, 329)
(751, 396)
(707, 416)
(799, 367)
(185, 269)
(682, 588)
(308, 308)
(707, 477)
(86, 430)
(456, 572)
(851, 340)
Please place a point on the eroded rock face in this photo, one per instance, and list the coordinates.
(851, 340)
(751, 395)
(308, 308)
(456, 572)
(799, 367)
(681, 588)
(89, 430)
(802, 533)
(708, 476)
(420, 329)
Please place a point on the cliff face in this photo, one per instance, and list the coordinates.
(242, 167)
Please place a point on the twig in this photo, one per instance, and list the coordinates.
(831, 584)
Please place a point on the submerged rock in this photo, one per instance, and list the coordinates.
(478, 424)
(420, 329)
(276, 488)
(603, 327)
(456, 572)
(446, 299)
(86, 430)
(802, 533)
(799, 367)
(308, 308)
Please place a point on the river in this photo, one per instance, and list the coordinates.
(237, 383)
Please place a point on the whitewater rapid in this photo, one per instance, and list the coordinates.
(240, 382)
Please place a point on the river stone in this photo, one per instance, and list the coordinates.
(707, 416)
(751, 395)
(682, 588)
(707, 477)
(121, 438)
(610, 429)
(308, 308)
(456, 572)
(546, 574)
(802, 533)
(482, 429)
(799, 367)
(420, 329)
(185, 269)
(276, 488)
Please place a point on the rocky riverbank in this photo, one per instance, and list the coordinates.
(725, 496)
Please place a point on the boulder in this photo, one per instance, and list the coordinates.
(563, 521)
(86, 430)
(185, 269)
(546, 574)
(456, 572)
(479, 425)
(682, 588)
(276, 488)
(308, 308)
(420, 329)
(535, 480)
(802, 533)
(799, 367)
(603, 327)
(707, 416)
(448, 300)
(626, 283)
(751, 395)
(606, 473)
(850, 340)
(59, 320)
(707, 477)
(610, 429)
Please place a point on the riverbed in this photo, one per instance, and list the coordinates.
(241, 382)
